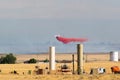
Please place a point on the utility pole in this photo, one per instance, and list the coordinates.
(73, 63)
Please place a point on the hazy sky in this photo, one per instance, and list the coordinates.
(37, 21)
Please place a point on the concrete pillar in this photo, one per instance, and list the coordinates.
(52, 58)
(114, 56)
(80, 58)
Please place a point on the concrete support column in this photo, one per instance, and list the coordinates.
(80, 58)
(52, 58)
(114, 56)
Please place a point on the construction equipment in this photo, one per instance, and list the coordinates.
(97, 71)
(115, 69)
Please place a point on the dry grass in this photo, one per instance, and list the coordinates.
(24, 68)
(20, 68)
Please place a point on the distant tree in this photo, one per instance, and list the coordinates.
(8, 59)
(1, 60)
(32, 60)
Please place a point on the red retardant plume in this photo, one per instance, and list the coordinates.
(67, 40)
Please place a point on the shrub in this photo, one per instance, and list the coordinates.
(32, 60)
(46, 60)
(8, 59)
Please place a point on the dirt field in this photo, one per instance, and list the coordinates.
(62, 56)
(23, 69)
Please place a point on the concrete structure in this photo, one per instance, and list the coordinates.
(52, 58)
(114, 56)
(80, 58)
